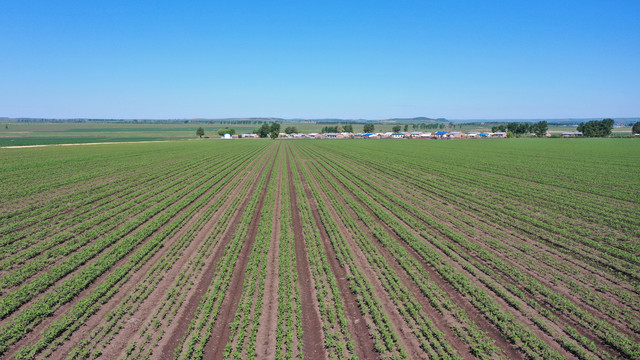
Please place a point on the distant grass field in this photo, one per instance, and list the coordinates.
(22, 134)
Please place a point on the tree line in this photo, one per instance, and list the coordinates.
(596, 128)
(523, 128)
(592, 128)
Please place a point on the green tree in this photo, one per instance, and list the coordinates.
(263, 131)
(226, 130)
(200, 132)
(368, 128)
(540, 128)
(396, 128)
(329, 129)
(274, 130)
(596, 128)
(635, 129)
(348, 128)
(406, 127)
(290, 130)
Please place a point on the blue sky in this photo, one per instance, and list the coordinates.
(320, 59)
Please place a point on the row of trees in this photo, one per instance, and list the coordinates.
(593, 128)
(428, 126)
(396, 128)
(596, 128)
(221, 132)
(268, 130)
(337, 129)
(522, 128)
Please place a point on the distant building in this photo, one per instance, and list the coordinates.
(440, 134)
(572, 134)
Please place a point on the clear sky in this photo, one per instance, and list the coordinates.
(320, 59)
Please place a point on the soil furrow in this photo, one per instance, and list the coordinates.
(312, 335)
(400, 326)
(357, 324)
(266, 337)
(180, 324)
(146, 309)
(32, 336)
(214, 349)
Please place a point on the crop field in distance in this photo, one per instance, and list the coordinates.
(514, 249)
(35, 133)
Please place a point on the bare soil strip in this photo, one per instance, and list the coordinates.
(266, 337)
(214, 349)
(364, 344)
(188, 310)
(312, 336)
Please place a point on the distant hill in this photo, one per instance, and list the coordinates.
(247, 120)
(415, 120)
(564, 121)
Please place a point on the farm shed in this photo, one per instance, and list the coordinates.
(440, 134)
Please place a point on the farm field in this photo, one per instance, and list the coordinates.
(511, 249)
(23, 134)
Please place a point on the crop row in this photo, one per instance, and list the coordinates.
(159, 227)
(512, 329)
(58, 214)
(154, 329)
(288, 336)
(609, 334)
(338, 341)
(116, 319)
(118, 221)
(244, 326)
(433, 340)
(201, 326)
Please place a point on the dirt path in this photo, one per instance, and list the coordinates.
(82, 144)
(364, 344)
(266, 337)
(214, 349)
(312, 336)
(180, 323)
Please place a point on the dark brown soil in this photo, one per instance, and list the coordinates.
(266, 336)
(214, 349)
(189, 308)
(399, 324)
(312, 336)
(364, 344)
(130, 328)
